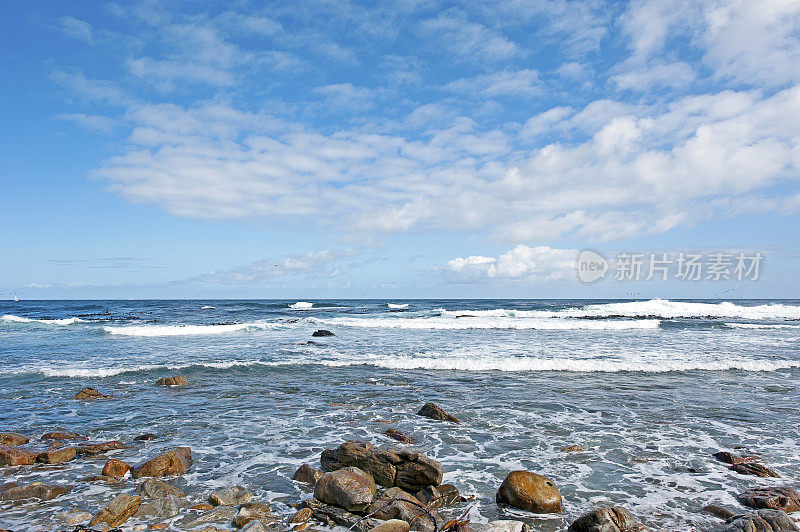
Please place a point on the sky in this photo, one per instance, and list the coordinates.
(405, 149)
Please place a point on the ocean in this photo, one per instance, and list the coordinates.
(649, 389)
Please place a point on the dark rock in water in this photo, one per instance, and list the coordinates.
(505, 525)
(163, 508)
(177, 380)
(433, 411)
(332, 516)
(172, 463)
(253, 511)
(156, 489)
(57, 456)
(760, 521)
(608, 519)
(398, 435)
(14, 456)
(307, 474)
(34, 491)
(719, 511)
(349, 488)
(12, 438)
(529, 491)
(230, 496)
(64, 436)
(733, 459)
(390, 467)
(774, 498)
(116, 468)
(439, 496)
(91, 448)
(322, 332)
(395, 503)
(145, 437)
(100, 478)
(90, 394)
(119, 510)
(754, 469)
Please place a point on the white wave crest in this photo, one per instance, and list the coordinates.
(20, 319)
(762, 326)
(489, 323)
(206, 307)
(81, 371)
(301, 305)
(397, 305)
(185, 330)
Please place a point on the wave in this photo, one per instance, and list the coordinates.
(397, 305)
(20, 319)
(186, 330)
(483, 323)
(206, 307)
(762, 326)
(83, 372)
(301, 305)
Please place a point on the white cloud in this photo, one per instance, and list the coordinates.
(671, 75)
(504, 83)
(76, 29)
(346, 96)
(522, 262)
(93, 123)
(469, 41)
(313, 264)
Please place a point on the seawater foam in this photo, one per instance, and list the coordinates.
(20, 319)
(301, 305)
(88, 372)
(186, 330)
(476, 322)
(397, 305)
(762, 326)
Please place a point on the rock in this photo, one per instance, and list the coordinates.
(395, 503)
(171, 463)
(322, 332)
(529, 491)
(158, 526)
(57, 456)
(164, 508)
(63, 436)
(718, 511)
(119, 510)
(389, 467)
(332, 516)
(349, 488)
(42, 492)
(572, 449)
(177, 380)
(392, 525)
(12, 438)
(145, 437)
(116, 468)
(306, 473)
(398, 435)
(438, 496)
(505, 525)
(254, 526)
(253, 511)
(92, 448)
(433, 411)
(221, 514)
(730, 458)
(608, 519)
(99, 478)
(90, 394)
(203, 507)
(14, 456)
(75, 516)
(230, 496)
(760, 521)
(774, 498)
(155, 489)
(301, 516)
(751, 468)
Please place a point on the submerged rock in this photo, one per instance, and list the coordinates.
(57, 456)
(221, 514)
(306, 473)
(730, 458)
(42, 492)
(349, 488)
(718, 511)
(529, 491)
(92, 448)
(164, 508)
(253, 511)
(90, 394)
(119, 510)
(171, 463)
(177, 380)
(12, 438)
(145, 437)
(156, 489)
(608, 519)
(774, 498)
(398, 435)
(760, 521)
(572, 449)
(230, 496)
(116, 468)
(14, 456)
(64, 436)
(74, 516)
(322, 332)
(505, 525)
(433, 411)
(751, 468)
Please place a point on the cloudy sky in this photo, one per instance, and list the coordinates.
(409, 149)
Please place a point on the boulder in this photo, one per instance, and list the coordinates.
(74, 516)
(334, 516)
(349, 488)
(99, 478)
(572, 449)
(202, 507)
(57, 456)
(760, 521)
(90, 394)
(505, 525)
(730, 458)
(156, 489)
(392, 525)
(12, 438)
(529, 491)
(116, 468)
(389, 467)
(774, 498)
(230, 496)
(608, 519)
(171, 463)
(145, 437)
(92, 448)
(322, 332)
(221, 514)
(433, 411)
(750, 468)
(395, 503)
(254, 526)
(253, 511)
(14, 456)
(177, 380)
(64, 436)
(398, 435)
(306, 473)
(300, 517)
(41, 492)
(718, 511)
(438, 496)
(163, 508)
(119, 510)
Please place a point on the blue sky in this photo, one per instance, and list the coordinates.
(402, 149)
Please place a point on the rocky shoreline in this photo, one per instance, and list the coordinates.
(357, 486)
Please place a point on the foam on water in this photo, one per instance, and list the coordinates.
(397, 305)
(20, 319)
(185, 330)
(762, 326)
(479, 322)
(301, 305)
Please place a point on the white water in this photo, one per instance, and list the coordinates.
(451, 323)
(301, 305)
(184, 330)
(20, 319)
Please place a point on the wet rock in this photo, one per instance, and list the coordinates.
(438, 496)
(57, 456)
(349, 488)
(64, 436)
(156, 489)
(718, 511)
(14, 456)
(572, 449)
(395, 503)
(322, 332)
(230, 496)
(90, 394)
(254, 526)
(730, 458)
(12, 438)
(389, 467)
(609, 519)
(300, 517)
(751, 468)
(42, 492)
(92, 448)
(221, 514)
(158, 526)
(760, 521)
(119, 510)
(529, 491)
(171, 463)
(392, 525)
(177, 380)
(306, 473)
(433, 411)
(332, 516)
(164, 508)
(505, 525)
(145, 437)
(773, 498)
(116, 468)
(203, 507)
(74, 516)
(99, 478)
(253, 511)
(398, 435)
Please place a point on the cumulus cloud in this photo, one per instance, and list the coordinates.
(521, 262)
(505, 83)
(313, 264)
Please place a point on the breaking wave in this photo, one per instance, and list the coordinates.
(476, 322)
(185, 330)
(301, 305)
(20, 319)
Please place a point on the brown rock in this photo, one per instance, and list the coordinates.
(145, 437)
(92, 448)
(57, 456)
(162, 508)
(730, 458)
(609, 519)
(14, 456)
(116, 468)
(177, 380)
(433, 411)
(399, 436)
(99, 478)
(156, 489)
(253, 511)
(392, 525)
(754, 469)
(34, 491)
(171, 463)
(90, 394)
(761, 521)
(63, 436)
(306, 473)
(12, 438)
(572, 449)
(203, 507)
(230, 496)
(718, 511)
(331, 515)
(438, 496)
(217, 515)
(774, 498)
(119, 510)
(158, 526)
(395, 503)
(529, 491)
(349, 488)
(301, 516)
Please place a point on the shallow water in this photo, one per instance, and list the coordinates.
(649, 389)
